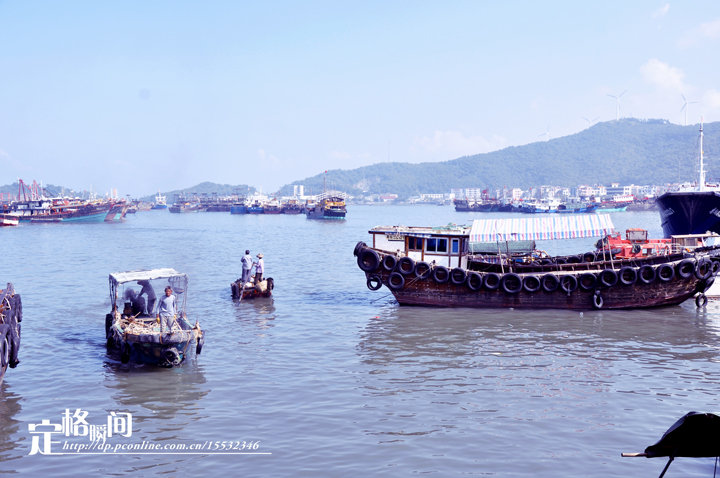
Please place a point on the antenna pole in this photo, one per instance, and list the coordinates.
(701, 186)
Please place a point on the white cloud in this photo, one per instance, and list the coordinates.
(711, 99)
(710, 30)
(662, 11)
(705, 31)
(452, 144)
(663, 75)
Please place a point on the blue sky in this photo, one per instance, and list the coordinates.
(157, 95)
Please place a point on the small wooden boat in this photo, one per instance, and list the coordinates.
(251, 290)
(495, 264)
(10, 318)
(135, 333)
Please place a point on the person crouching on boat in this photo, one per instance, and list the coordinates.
(150, 293)
(167, 310)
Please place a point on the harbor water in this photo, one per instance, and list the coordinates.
(329, 379)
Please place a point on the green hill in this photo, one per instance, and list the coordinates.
(628, 151)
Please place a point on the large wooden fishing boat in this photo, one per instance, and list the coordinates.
(10, 318)
(136, 333)
(328, 205)
(494, 264)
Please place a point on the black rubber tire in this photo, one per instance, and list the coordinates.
(574, 259)
(568, 284)
(108, 324)
(511, 283)
(550, 282)
(647, 274)
(200, 343)
(589, 257)
(405, 265)
(704, 285)
(458, 276)
(396, 281)
(608, 277)
(374, 282)
(627, 275)
(474, 281)
(368, 260)
(703, 268)
(598, 301)
(587, 281)
(665, 272)
(234, 290)
(389, 262)
(358, 246)
(270, 283)
(701, 300)
(125, 353)
(491, 281)
(531, 283)
(685, 268)
(4, 345)
(422, 270)
(440, 274)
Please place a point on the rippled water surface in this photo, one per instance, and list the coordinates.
(333, 379)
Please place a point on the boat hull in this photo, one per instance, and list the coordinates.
(152, 348)
(10, 318)
(251, 292)
(694, 212)
(591, 285)
(323, 213)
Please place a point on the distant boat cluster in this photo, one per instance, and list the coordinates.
(553, 206)
(328, 205)
(33, 206)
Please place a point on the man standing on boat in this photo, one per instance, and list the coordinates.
(247, 263)
(259, 269)
(167, 310)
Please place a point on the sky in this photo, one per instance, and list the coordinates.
(145, 96)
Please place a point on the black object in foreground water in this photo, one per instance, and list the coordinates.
(694, 435)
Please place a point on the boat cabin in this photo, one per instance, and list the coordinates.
(446, 245)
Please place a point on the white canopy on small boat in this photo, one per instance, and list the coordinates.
(558, 226)
(123, 277)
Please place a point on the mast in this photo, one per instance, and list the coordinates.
(701, 185)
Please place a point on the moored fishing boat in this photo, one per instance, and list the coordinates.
(160, 202)
(329, 205)
(494, 264)
(10, 318)
(136, 333)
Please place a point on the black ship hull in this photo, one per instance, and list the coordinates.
(694, 212)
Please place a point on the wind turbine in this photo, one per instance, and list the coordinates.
(617, 101)
(546, 134)
(591, 121)
(684, 106)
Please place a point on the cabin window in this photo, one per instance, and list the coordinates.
(436, 244)
(415, 243)
(455, 246)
